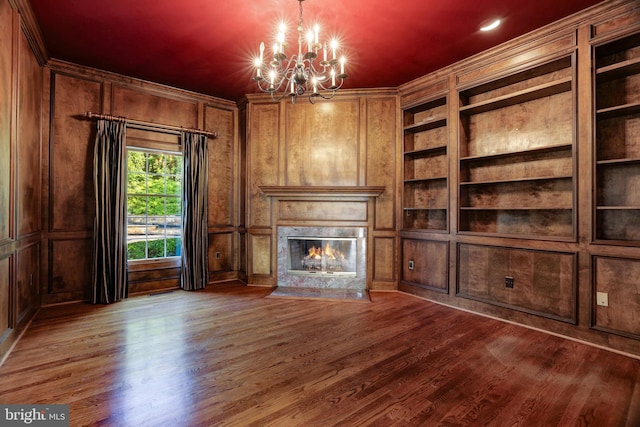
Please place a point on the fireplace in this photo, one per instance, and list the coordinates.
(322, 257)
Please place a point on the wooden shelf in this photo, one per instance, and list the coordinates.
(425, 209)
(618, 70)
(619, 110)
(420, 180)
(536, 92)
(619, 162)
(535, 150)
(520, 208)
(425, 152)
(432, 123)
(508, 181)
(618, 208)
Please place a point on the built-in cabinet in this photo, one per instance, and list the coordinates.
(516, 154)
(521, 179)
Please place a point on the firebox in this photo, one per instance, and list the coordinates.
(322, 256)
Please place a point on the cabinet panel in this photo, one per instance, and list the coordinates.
(220, 252)
(425, 263)
(544, 282)
(71, 154)
(618, 279)
(29, 154)
(221, 167)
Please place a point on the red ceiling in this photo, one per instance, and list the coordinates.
(206, 45)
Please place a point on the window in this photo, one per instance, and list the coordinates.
(154, 204)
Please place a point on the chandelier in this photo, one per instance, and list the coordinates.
(301, 74)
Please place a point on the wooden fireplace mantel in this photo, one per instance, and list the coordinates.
(298, 191)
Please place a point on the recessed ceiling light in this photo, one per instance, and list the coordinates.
(491, 25)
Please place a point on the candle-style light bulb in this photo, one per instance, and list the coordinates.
(342, 62)
(334, 48)
(309, 41)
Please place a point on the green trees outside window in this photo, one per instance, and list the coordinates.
(154, 210)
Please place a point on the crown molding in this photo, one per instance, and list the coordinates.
(31, 29)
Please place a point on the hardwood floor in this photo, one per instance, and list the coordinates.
(230, 356)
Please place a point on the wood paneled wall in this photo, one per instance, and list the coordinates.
(69, 204)
(20, 176)
(350, 140)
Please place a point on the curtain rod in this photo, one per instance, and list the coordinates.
(148, 125)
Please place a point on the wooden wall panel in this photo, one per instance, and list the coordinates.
(5, 306)
(261, 254)
(263, 161)
(544, 281)
(221, 162)
(70, 268)
(28, 171)
(6, 33)
(384, 259)
(71, 154)
(619, 278)
(321, 143)
(430, 264)
(154, 108)
(27, 280)
(321, 211)
(381, 158)
(221, 252)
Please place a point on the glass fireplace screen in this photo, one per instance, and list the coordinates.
(322, 256)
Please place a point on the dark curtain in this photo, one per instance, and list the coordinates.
(195, 271)
(109, 231)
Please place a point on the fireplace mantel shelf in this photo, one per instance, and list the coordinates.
(323, 191)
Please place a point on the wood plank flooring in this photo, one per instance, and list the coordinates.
(228, 356)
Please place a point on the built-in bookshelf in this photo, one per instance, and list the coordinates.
(516, 161)
(617, 141)
(426, 190)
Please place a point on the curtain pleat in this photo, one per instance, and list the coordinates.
(195, 270)
(109, 240)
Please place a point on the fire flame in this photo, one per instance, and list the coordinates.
(327, 251)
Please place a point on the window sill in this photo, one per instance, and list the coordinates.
(154, 264)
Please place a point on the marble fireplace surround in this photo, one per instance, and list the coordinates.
(319, 211)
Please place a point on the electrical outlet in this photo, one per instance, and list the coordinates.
(411, 264)
(217, 255)
(602, 299)
(508, 282)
